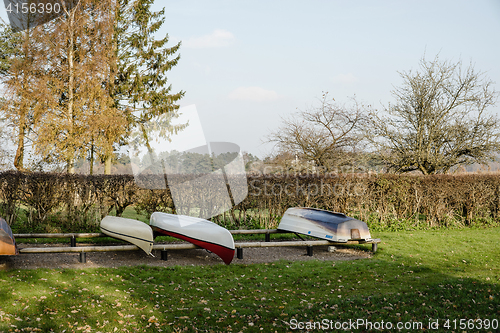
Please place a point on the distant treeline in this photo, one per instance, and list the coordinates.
(67, 202)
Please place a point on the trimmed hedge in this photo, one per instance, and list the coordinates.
(63, 202)
(385, 201)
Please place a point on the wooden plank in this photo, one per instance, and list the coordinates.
(64, 235)
(181, 246)
(92, 235)
(234, 232)
(282, 244)
(78, 249)
(301, 243)
(258, 231)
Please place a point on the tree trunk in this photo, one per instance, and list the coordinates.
(23, 110)
(18, 159)
(92, 158)
(71, 96)
(107, 165)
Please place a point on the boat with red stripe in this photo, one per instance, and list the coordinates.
(198, 231)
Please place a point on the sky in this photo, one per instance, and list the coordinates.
(246, 64)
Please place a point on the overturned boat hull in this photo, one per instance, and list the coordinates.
(200, 232)
(324, 224)
(132, 231)
(8, 245)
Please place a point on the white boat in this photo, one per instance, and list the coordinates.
(7, 242)
(132, 231)
(200, 232)
(324, 224)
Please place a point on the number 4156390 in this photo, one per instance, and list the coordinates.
(33, 8)
(471, 324)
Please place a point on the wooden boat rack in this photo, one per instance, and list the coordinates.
(177, 246)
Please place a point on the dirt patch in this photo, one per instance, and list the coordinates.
(193, 257)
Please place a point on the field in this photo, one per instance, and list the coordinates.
(445, 279)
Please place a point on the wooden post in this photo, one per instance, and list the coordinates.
(164, 255)
(239, 253)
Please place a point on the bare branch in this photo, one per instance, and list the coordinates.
(439, 120)
(325, 135)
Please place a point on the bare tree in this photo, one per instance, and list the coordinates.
(439, 120)
(326, 136)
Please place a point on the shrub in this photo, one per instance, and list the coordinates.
(385, 202)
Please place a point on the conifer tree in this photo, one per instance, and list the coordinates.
(140, 87)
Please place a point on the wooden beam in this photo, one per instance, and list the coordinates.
(64, 249)
(66, 235)
(258, 231)
(181, 246)
(98, 234)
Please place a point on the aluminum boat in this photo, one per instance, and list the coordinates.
(324, 224)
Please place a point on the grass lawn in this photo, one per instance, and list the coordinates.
(449, 278)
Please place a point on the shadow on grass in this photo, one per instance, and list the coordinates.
(390, 287)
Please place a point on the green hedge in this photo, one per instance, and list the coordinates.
(55, 202)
